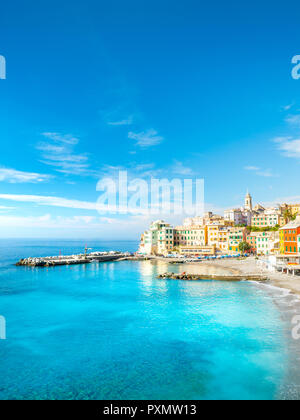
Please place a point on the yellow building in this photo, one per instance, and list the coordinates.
(295, 209)
(190, 236)
(218, 236)
(281, 240)
(223, 238)
(163, 239)
(213, 235)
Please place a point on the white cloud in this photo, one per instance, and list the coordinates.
(287, 107)
(74, 227)
(62, 138)
(71, 204)
(134, 170)
(295, 199)
(148, 170)
(282, 139)
(50, 201)
(178, 168)
(127, 121)
(46, 221)
(289, 146)
(293, 120)
(6, 208)
(18, 177)
(267, 173)
(146, 138)
(251, 168)
(144, 166)
(102, 209)
(59, 153)
(214, 208)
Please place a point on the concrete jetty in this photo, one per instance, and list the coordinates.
(227, 277)
(73, 259)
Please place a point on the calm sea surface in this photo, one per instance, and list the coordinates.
(113, 331)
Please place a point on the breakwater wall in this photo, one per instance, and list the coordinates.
(72, 259)
(227, 277)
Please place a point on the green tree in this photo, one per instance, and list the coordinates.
(244, 246)
(288, 215)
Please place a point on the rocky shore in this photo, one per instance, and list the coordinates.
(247, 269)
(229, 277)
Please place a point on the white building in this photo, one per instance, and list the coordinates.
(269, 217)
(159, 239)
(267, 243)
(243, 215)
(238, 216)
(248, 202)
(207, 218)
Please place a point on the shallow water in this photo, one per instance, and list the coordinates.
(113, 331)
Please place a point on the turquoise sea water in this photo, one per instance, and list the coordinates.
(113, 331)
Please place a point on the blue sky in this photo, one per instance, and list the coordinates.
(157, 88)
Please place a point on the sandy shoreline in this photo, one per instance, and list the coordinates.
(250, 267)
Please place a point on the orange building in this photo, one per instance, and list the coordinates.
(251, 239)
(289, 237)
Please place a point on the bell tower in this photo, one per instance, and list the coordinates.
(248, 202)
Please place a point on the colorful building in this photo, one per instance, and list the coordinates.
(218, 236)
(159, 239)
(208, 218)
(236, 236)
(267, 218)
(190, 236)
(289, 237)
(212, 235)
(267, 243)
(251, 238)
(241, 216)
(294, 209)
(165, 240)
(223, 239)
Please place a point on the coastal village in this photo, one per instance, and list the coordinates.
(273, 233)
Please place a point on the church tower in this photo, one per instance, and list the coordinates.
(248, 202)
